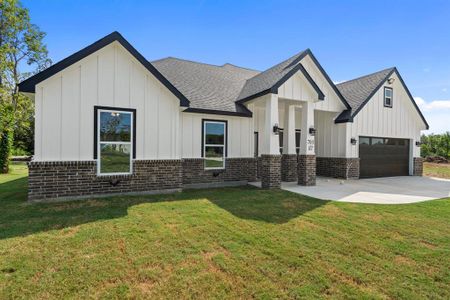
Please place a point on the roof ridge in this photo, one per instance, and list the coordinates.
(262, 72)
(245, 68)
(365, 76)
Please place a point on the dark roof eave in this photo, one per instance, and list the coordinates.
(246, 113)
(29, 85)
(274, 88)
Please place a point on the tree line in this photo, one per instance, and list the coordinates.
(436, 145)
(21, 47)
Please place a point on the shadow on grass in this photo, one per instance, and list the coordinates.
(19, 218)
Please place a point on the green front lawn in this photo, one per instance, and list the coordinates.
(234, 242)
(436, 170)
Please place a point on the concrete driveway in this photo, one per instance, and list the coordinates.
(387, 190)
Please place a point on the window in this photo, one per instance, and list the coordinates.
(114, 140)
(364, 141)
(255, 146)
(388, 96)
(297, 140)
(214, 144)
(280, 139)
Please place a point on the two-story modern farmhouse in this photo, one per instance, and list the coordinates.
(110, 121)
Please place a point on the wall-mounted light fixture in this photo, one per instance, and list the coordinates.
(391, 80)
(418, 143)
(353, 141)
(276, 129)
(312, 131)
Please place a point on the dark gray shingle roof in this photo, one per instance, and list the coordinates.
(267, 79)
(206, 86)
(358, 90)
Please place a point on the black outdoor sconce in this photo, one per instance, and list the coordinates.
(276, 129)
(312, 131)
(418, 144)
(353, 141)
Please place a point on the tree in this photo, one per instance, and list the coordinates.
(436, 145)
(20, 45)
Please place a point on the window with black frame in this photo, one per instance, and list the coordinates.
(214, 144)
(114, 141)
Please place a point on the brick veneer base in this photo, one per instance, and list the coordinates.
(78, 179)
(337, 167)
(236, 169)
(74, 179)
(289, 167)
(307, 170)
(418, 166)
(270, 171)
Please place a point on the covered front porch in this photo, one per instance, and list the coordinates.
(284, 140)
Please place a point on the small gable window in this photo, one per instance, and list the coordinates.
(388, 96)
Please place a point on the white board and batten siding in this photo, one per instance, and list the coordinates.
(112, 77)
(401, 121)
(239, 138)
(109, 77)
(298, 88)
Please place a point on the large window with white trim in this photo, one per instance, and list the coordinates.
(114, 140)
(214, 143)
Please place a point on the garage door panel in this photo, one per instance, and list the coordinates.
(380, 157)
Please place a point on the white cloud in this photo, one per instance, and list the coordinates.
(444, 90)
(437, 113)
(433, 105)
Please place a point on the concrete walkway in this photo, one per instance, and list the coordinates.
(387, 190)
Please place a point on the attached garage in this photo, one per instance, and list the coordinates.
(381, 157)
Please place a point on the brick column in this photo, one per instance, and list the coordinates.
(418, 166)
(289, 167)
(270, 171)
(307, 170)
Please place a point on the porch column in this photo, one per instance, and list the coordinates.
(289, 157)
(307, 157)
(270, 156)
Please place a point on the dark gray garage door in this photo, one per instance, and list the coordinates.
(381, 157)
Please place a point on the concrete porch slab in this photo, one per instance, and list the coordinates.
(387, 190)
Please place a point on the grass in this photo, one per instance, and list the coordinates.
(220, 243)
(436, 170)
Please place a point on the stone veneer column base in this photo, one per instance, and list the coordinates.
(338, 167)
(270, 171)
(307, 170)
(289, 167)
(418, 166)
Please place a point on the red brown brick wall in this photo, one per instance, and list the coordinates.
(68, 179)
(236, 169)
(418, 166)
(270, 171)
(307, 170)
(338, 167)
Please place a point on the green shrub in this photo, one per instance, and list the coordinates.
(6, 138)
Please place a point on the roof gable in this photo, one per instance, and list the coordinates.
(361, 90)
(270, 80)
(29, 84)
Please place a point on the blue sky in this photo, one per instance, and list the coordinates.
(349, 38)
